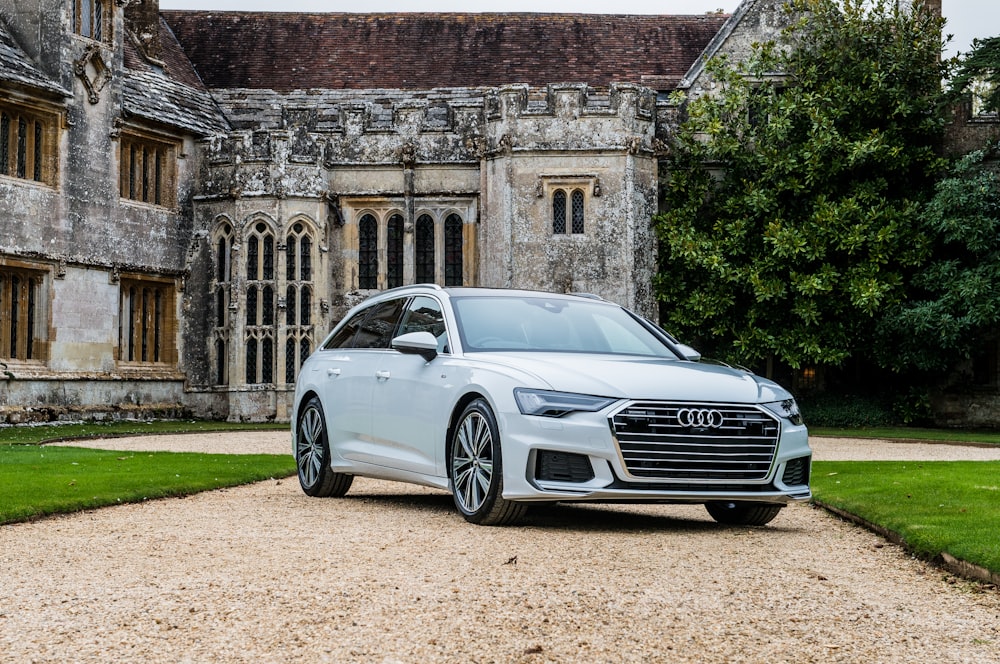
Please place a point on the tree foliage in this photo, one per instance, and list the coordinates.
(954, 300)
(980, 69)
(791, 213)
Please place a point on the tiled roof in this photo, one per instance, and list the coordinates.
(169, 92)
(16, 67)
(289, 51)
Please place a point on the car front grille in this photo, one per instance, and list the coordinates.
(693, 442)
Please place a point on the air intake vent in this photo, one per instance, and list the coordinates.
(796, 471)
(563, 467)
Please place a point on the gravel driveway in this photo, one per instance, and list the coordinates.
(391, 573)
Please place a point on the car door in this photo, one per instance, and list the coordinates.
(412, 396)
(347, 369)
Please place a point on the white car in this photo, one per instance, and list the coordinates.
(506, 397)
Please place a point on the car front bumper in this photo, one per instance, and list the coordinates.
(588, 436)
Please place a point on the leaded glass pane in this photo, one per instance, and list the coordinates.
(577, 211)
(252, 305)
(268, 257)
(4, 144)
(267, 306)
(290, 254)
(306, 259)
(266, 361)
(394, 252)
(251, 361)
(290, 360)
(253, 252)
(368, 252)
(305, 306)
(37, 175)
(425, 249)
(222, 258)
(220, 362)
(22, 148)
(559, 212)
(453, 273)
(220, 306)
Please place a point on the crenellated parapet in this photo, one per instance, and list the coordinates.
(571, 117)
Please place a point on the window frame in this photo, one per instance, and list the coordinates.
(373, 254)
(568, 200)
(32, 319)
(147, 168)
(99, 15)
(31, 157)
(153, 326)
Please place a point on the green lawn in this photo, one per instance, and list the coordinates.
(38, 480)
(934, 506)
(906, 433)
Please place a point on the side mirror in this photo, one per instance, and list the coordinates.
(423, 344)
(689, 353)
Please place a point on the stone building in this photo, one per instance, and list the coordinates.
(191, 199)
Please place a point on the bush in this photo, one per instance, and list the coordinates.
(847, 411)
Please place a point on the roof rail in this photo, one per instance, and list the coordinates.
(407, 287)
(589, 296)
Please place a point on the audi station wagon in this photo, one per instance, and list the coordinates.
(506, 398)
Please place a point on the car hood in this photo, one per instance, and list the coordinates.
(642, 377)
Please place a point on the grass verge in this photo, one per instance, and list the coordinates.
(34, 434)
(38, 481)
(907, 433)
(935, 507)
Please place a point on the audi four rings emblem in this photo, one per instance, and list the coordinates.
(706, 418)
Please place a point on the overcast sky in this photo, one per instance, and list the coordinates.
(966, 18)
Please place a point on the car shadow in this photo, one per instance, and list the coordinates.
(576, 517)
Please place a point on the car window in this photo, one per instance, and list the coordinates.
(552, 324)
(344, 338)
(424, 315)
(372, 327)
(378, 329)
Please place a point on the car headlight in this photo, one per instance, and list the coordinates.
(787, 409)
(546, 403)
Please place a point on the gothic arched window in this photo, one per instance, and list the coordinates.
(260, 305)
(577, 203)
(453, 239)
(425, 250)
(368, 252)
(298, 299)
(394, 251)
(222, 255)
(559, 211)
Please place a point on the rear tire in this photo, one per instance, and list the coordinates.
(475, 469)
(743, 514)
(312, 455)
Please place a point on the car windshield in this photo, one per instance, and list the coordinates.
(528, 323)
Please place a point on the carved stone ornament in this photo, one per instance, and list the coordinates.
(125, 4)
(93, 71)
(408, 155)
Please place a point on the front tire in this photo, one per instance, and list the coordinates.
(312, 455)
(475, 469)
(743, 514)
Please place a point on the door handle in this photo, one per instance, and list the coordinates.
(333, 372)
(382, 375)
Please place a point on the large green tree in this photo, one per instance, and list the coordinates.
(954, 300)
(979, 72)
(796, 185)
